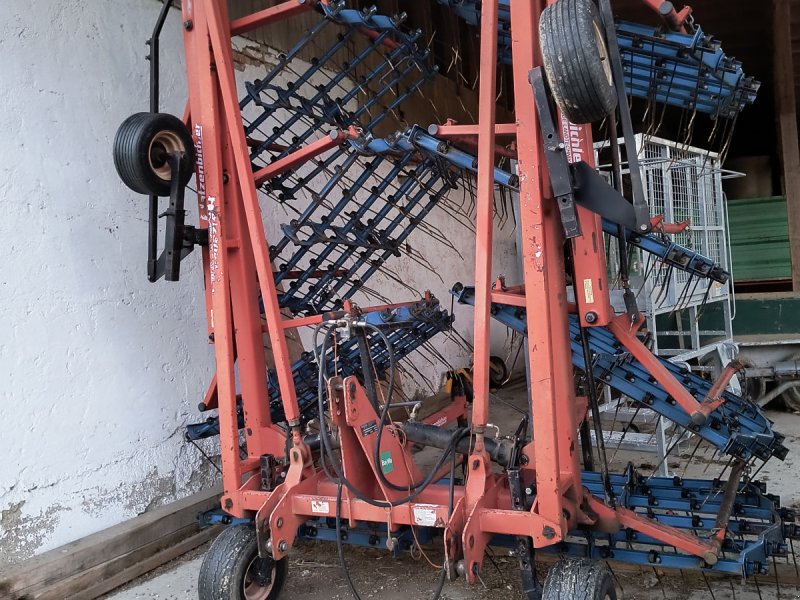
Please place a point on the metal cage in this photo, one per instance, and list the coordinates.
(686, 315)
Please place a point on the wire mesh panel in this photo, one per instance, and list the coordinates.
(683, 184)
(691, 191)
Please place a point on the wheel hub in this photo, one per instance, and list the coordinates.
(164, 143)
(603, 51)
(258, 579)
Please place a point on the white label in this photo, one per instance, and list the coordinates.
(425, 515)
(573, 136)
(320, 507)
(588, 291)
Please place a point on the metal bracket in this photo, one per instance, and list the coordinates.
(531, 588)
(575, 182)
(557, 164)
(640, 205)
(179, 238)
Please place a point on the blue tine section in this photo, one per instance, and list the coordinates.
(737, 428)
(686, 70)
(407, 328)
(756, 531)
(355, 206)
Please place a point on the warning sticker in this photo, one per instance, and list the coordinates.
(425, 515)
(320, 507)
(368, 428)
(588, 291)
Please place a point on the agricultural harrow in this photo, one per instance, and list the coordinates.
(316, 156)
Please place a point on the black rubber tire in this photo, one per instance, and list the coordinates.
(791, 397)
(139, 167)
(224, 568)
(753, 388)
(498, 372)
(573, 51)
(579, 579)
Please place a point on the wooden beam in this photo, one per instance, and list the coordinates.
(108, 576)
(786, 112)
(110, 551)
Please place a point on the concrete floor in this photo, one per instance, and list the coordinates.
(314, 570)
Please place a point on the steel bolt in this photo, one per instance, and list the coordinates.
(283, 546)
(228, 503)
(279, 522)
(548, 532)
(188, 25)
(269, 545)
(591, 317)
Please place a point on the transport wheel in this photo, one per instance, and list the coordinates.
(576, 60)
(498, 371)
(142, 146)
(753, 388)
(232, 569)
(791, 397)
(579, 579)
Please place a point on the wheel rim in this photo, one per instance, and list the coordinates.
(603, 51)
(251, 588)
(164, 143)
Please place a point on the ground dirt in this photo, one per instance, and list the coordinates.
(314, 571)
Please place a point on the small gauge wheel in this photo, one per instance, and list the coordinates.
(233, 570)
(498, 372)
(576, 60)
(142, 147)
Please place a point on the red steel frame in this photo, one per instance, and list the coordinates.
(237, 269)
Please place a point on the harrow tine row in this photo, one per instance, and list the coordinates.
(755, 533)
(365, 198)
(689, 71)
(737, 427)
(407, 328)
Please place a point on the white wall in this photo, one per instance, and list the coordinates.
(101, 369)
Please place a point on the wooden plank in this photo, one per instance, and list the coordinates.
(85, 553)
(105, 577)
(785, 109)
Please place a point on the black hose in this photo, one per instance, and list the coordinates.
(320, 357)
(326, 448)
(384, 413)
(437, 592)
(339, 545)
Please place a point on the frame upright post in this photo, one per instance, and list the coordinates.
(487, 103)
(552, 388)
